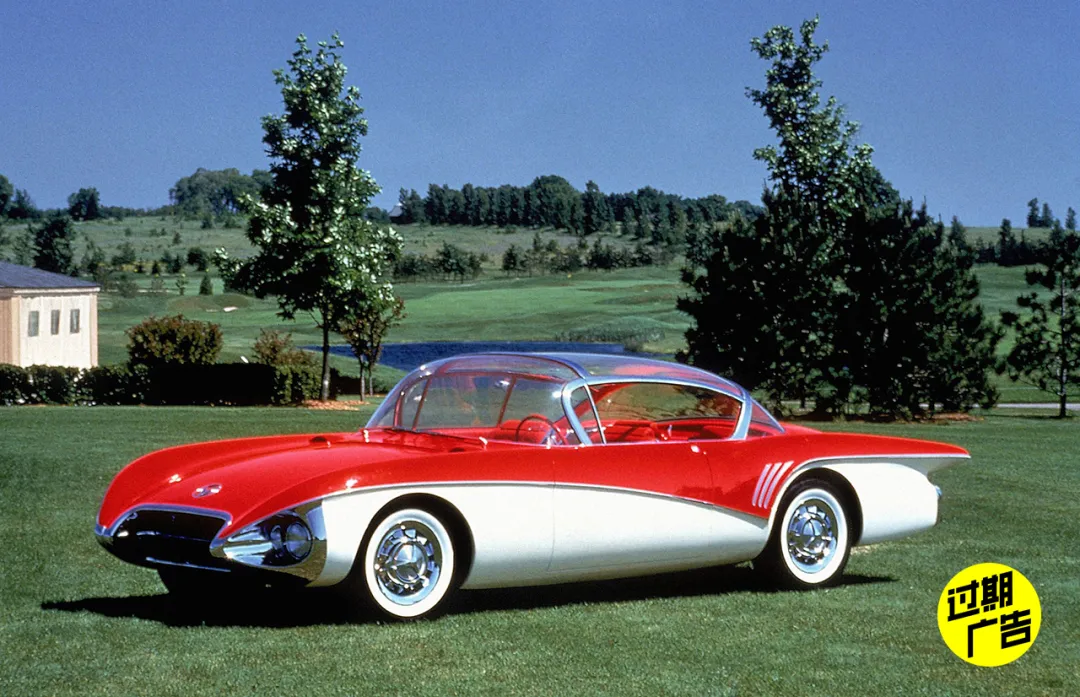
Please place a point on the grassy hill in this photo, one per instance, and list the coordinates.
(492, 307)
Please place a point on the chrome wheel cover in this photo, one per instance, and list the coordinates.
(812, 534)
(408, 563)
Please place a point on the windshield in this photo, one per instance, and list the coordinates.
(494, 405)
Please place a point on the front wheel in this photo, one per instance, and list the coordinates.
(409, 564)
(811, 539)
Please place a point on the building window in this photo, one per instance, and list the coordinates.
(75, 322)
(54, 322)
(35, 317)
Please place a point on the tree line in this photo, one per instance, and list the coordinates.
(551, 201)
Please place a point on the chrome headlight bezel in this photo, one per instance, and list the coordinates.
(292, 541)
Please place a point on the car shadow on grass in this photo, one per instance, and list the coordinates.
(322, 607)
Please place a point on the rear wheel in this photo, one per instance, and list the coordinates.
(409, 564)
(811, 538)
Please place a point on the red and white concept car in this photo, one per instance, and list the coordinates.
(497, 470)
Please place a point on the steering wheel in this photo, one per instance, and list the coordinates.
(553, 430)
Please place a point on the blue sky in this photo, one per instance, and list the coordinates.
(972, 106)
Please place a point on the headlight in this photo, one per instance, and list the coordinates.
(297, 540)
(281, 540)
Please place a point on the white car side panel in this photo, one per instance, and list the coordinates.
(603, 533)
(896, 500)
(597, 528)
(511, 526)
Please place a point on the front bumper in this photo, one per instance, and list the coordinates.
(163, 536)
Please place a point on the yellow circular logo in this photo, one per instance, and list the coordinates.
(989, 614)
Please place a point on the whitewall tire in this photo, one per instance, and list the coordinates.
(811, 538)
(409, 564)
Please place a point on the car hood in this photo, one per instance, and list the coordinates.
(250, 478)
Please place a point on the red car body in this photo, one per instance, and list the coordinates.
(518, 469)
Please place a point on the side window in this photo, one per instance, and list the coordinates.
(74, 326)
(54, 322)
(649, 411)
(534, 397)
(32, 326)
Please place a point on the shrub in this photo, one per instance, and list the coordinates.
(296, 383)
(51, 384)
(235, 384)
(126, 286)
(14, 384)
(114, 384)
(173, 341)
(197, 257)
(277, 349)
(206, 286)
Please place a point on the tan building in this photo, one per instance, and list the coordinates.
(47, 318)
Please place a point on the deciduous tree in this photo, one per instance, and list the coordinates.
(52, 245)
(365, 331)
(314, 250)
(85, 204)
(6, 192)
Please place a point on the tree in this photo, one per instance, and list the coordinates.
(22, 207)
(837, 292)
(1008, 246)
(1046, 218)
(1070, 220)
(512, 260)
(815, 164)
(52, 245)
(216, 192)
(780, 271)
(958, 237)
(93, 259)
(365, 331)
(910, 330)
(6, 192)
(314, 250)
(1033, 219)
(84, 204)
(206, 286)
(1047, 349)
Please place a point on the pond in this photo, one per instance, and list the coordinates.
(406, 356)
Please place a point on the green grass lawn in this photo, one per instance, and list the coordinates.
(74, 620)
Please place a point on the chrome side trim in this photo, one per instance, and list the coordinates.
(549, 485)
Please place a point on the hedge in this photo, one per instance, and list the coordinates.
(236, 384)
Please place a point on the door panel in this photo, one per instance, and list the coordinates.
(630, 504)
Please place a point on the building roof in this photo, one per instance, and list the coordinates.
(15, 276)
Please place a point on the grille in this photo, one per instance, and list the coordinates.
(154, 538)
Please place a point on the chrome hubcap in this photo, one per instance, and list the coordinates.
(811, 535)
(408, 563)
